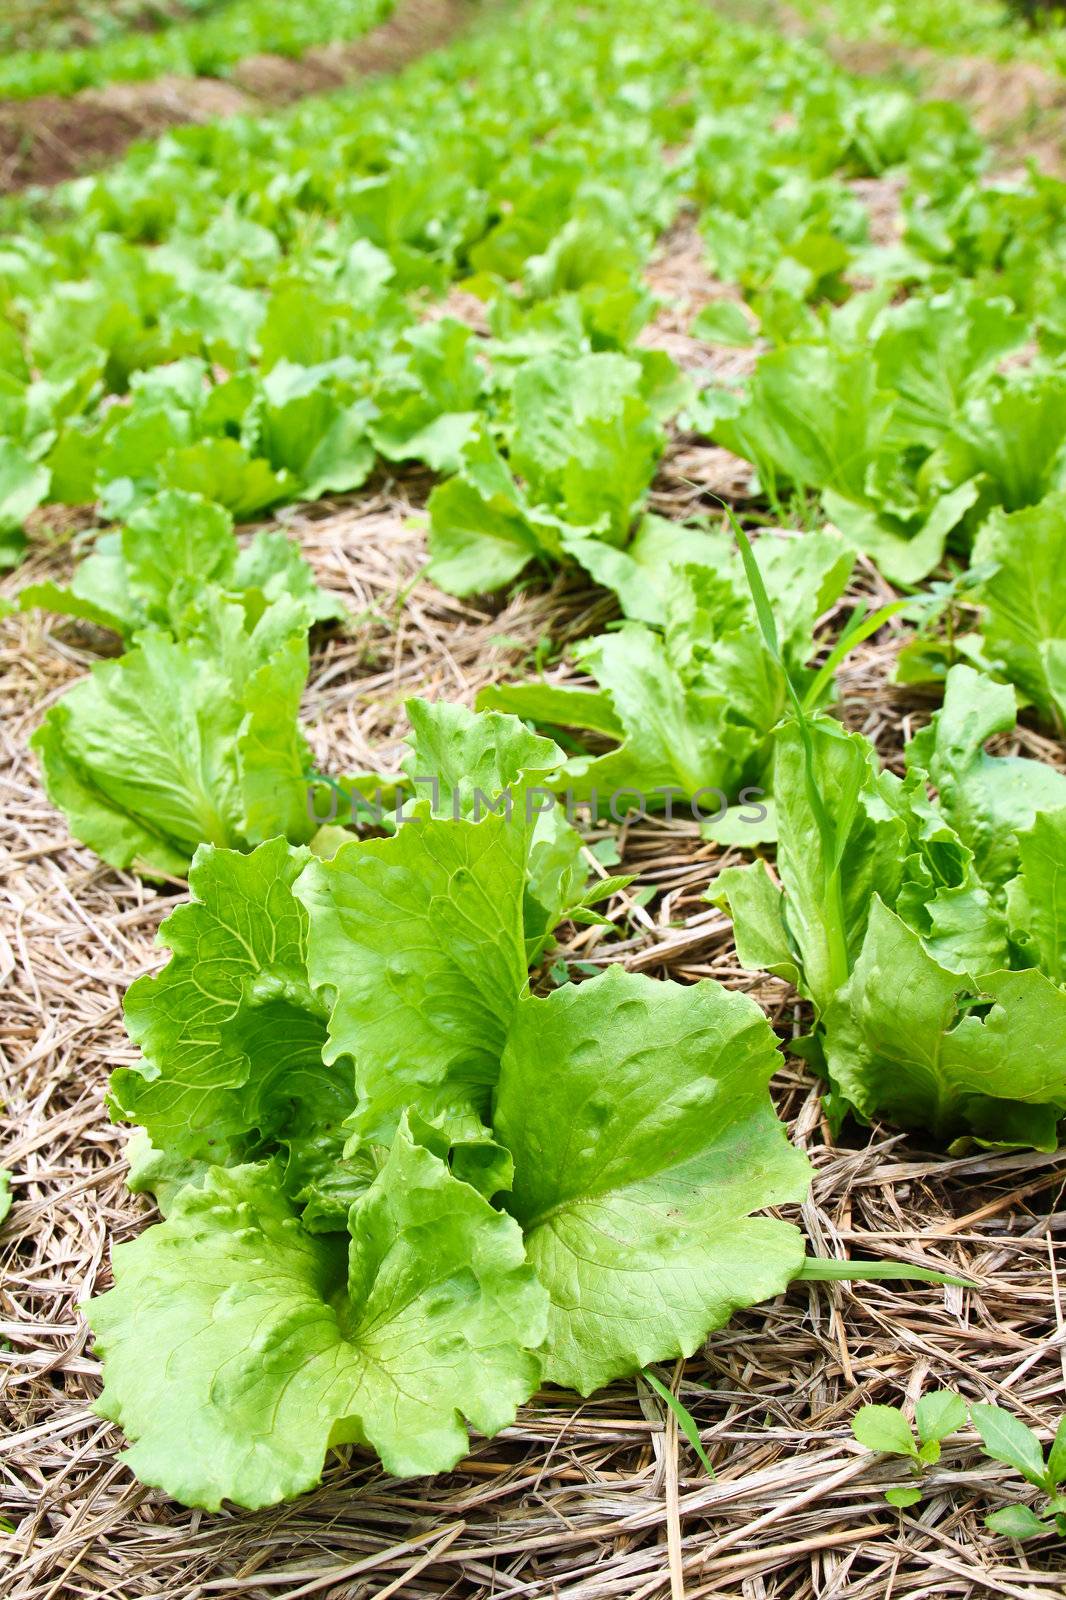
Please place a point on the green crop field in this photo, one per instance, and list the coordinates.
(534, 808)
(134, 42)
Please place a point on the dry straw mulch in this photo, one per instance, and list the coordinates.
(593, 1498)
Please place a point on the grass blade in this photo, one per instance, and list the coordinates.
(684, 1419)
(823, 1269)
(832, 846)
(859, 627)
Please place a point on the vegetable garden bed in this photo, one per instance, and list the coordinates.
(598, 1497)
(604, 1495)
(49, 137)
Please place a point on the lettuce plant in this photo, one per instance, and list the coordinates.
(583, 443)
(192, 735)
(24, 484)
(401, 1190)
(153, 570)
(687, 692)
(927, 932)
(901, 420)
(1024, 601)
(187, 737)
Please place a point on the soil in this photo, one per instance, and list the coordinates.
(54, 137)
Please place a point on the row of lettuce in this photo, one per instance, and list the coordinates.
(69, 24)
(207, 41)
(401, 1190)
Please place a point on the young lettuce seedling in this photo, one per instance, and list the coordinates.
(885, 1428)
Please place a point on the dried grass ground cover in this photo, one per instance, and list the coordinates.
(583, 1499)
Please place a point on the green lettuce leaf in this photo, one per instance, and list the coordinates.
(693, 706)
(583, 444)
(985, 798)
(640, 573)
(724, 322)
(816, 415)
(72, 459)
(97, 592)
(931, 352)
(1011, 431)
(585, 440)
(461, 762)
(428, 397)
(128, 462)
(911, 1041)
(161, 1173)
(870, 851)
(482, 529)
(1036, 898)
(554, 705)
(23, 485)
(904, 446)
(174, 542)
(223, 470)
(813, 416)
(313, 427)
(756, 903)
(154, 569)
(802, 234)
(905, 548)
(674, 732)
(444, 917)
(234, 1030)
(926, 932)
(643, 1137)
(269, 1345)
(464, 765)
(181, 742)
(1024, 626)
(420, 939)
(230, 1030)
(271, 564)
